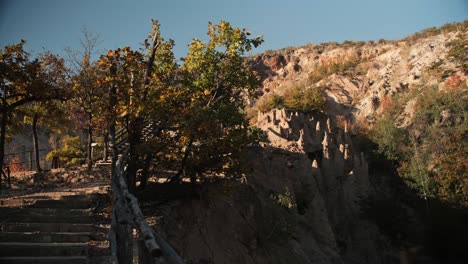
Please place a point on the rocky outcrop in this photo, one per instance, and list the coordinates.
(268, 64)
(328, 178)
(299, 203)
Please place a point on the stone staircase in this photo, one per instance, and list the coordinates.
(48, 230)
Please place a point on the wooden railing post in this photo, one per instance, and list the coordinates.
(121, 235)
(144, 257)
(126, 215)
(124, 244)
(8, 172)
(113, 241)
(30, 160)
(5, 173)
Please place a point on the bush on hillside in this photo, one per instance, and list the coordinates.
(390, 139)
(458, 52)
(296, 98)
(343, 67)
(431, 152)
(270, 101)
(304, 99)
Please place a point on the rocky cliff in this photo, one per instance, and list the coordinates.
(357, 76)
(301, 197)
(299, 202)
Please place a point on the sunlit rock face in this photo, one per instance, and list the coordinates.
(358, 76)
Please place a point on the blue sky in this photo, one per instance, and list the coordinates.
(57, 24)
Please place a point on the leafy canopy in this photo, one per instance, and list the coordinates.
(198, 106)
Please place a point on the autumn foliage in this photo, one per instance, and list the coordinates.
(15, 164)
(431, 152)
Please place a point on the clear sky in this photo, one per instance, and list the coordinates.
(57, 24)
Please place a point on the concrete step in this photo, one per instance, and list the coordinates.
(102, 164)
(99, 260)
(16, 202)
(77, 219)
(46, 227)
(19, 249)
(32, 211)
(80, 196)
(44, 260)
(35, 237)
(49, 231)
(69, 203)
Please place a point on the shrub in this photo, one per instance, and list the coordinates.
(458, 52)
(389, 138)
(284, 199)
(343, 67)
(276, 101)
(431, 153)
(71, 153)
(304, 99)
(271, 101)
(316, 76)
(433, 31)
(362, 69)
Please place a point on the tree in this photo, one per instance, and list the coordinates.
(215, 80)
(24, 80)
(88, 95)
(47, 114)
(197, 108)
(135, 82)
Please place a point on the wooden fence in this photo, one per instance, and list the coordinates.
(127, 217)
(5, 173)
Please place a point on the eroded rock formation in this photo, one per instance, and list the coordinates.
(299, 203)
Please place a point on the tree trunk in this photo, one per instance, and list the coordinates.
(145, 170)
(2, 137)
(112, 103)
(106, 146)
(136, 125)
(134, 132)
(35, 142)
(183, 164)
(114, 148)
(90, 148)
